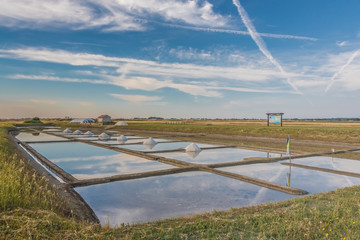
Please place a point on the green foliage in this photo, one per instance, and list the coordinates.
(34, 121)
(20, 185)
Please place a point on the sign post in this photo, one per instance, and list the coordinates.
(274, 118)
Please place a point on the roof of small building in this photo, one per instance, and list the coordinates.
(82, 120)
(102, 116)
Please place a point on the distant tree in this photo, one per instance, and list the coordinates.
(34, 120)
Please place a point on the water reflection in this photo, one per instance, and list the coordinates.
(31, 137)
(214, 155)
(331, 163)
(161, 146)
(84, 161)
(309, 180)
(169, 196)
(114, 142)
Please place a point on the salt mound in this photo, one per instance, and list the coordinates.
(67, 131)
(104, 136)
(122, 139)
(193, 155)
(150, 141)
(78, 132)
(90, 133)
(149, 147)
(193, 148)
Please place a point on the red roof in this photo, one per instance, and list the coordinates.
(102, 116)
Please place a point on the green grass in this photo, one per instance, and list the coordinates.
(334, 215)
(333, 133)
(31, 210)
(20, 185)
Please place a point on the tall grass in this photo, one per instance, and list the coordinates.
(20, 185)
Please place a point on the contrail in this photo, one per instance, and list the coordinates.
(270, 35)
(260, 42)
(341, 70)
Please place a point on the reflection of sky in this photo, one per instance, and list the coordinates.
(84, 161)
(87, 138)
(169, 196)
(215, 155)
(115, 141)
(25, 137)
(331, 163)
(309, 180)
(52, 130)
(163, 146)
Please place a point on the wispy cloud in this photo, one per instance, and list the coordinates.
(109, 15)
(136, 83)
(43, 101)
(238, 32)
(261, 44)
(131, 66)
(349, 61)
(119, 15)
(137, 99)
(86, 104)
(137, 74)
(342, 43)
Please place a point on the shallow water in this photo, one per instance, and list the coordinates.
(155, 198)
(170, 196)
(214, 155)
(309, 180)
(330, 163)
(116, 142)
(162, 146)
(84, 161)
(38, 137)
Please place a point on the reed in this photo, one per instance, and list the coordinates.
(20, 185)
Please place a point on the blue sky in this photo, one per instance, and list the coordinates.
(173, 58)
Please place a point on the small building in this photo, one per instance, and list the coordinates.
(104, 119)
(82, 120)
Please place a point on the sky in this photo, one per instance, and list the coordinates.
(179, 59)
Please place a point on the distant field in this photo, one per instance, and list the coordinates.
(347, 132)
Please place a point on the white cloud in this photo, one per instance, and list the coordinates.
(37, 14)
(198, 13)
(192, 54)
(197, 80)
(111, 15)
(131, 66)
(342, 44)
(118, 15)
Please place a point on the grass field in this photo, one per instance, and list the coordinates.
(348, 132)
(31, 210)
